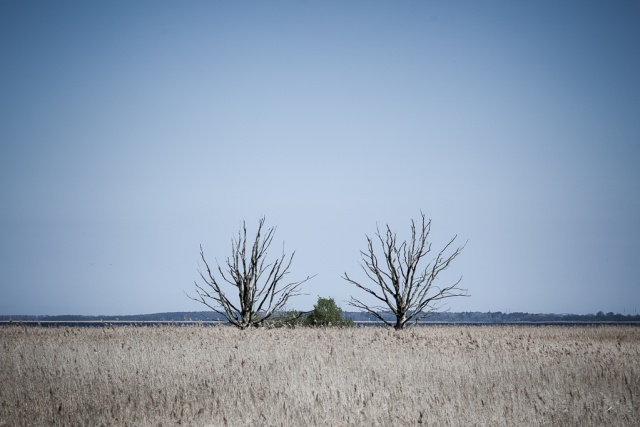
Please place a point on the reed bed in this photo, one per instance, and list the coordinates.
(216, 376)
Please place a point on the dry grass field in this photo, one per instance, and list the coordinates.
(436, 375)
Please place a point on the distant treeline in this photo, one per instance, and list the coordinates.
(445, 317)
(159, 317)
(499, 317)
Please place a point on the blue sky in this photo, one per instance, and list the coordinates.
(133, 132)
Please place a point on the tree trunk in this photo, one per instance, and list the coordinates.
(401, 320)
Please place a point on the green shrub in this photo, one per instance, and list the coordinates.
(326, 313)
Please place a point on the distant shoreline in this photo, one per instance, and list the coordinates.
(364, 323)
(362, 318)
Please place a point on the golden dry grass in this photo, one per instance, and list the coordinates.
(436, 375)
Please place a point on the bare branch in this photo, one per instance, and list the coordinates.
(375, 311)
(408, 292)
(258, 283)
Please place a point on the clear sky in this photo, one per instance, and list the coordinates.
(131, 132)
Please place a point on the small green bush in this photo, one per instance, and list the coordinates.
(326, 313)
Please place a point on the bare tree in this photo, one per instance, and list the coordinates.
(258, 284)
(408, 291)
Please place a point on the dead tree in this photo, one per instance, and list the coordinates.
(408, 291)
(258, 284)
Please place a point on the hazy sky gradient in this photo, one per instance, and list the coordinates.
(133, 132)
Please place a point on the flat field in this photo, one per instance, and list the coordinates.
(433, 375)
